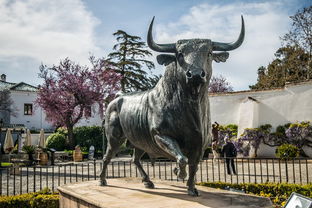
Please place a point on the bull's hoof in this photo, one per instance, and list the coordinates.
(149, 184)
(181, 173)
(193, 192)
(103, 183)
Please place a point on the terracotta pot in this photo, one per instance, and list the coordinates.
(77, 156)
(43, 158)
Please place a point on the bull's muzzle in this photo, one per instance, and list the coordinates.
(198, 76)
(194, 80)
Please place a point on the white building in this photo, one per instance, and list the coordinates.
(28, 113)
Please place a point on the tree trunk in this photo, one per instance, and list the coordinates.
(71, 141)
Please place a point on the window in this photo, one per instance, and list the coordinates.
(28, 109)
(88, 111)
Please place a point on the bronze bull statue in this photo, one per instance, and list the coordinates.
(171, 120)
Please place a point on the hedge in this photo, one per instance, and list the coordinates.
(287, 151)
(84, 136)
(42, 199)
(57, 141)
(277, 192)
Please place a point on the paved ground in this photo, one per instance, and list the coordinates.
(64, 173)
(129, 192)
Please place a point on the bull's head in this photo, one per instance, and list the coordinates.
(194, 57)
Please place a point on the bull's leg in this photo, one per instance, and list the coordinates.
(193, 167)
(136, 159)
(115, 139)
(110, 152)
(172, 148)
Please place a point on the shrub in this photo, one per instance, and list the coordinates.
(281, 130)
(277, 192)
(62, 130)
(252, 137)
(85, 136)
(56, 141)
(230, 129)
(46, 201)
(126, 149)
(287, 151)
(40, 199)
(266, 128)
(29, 149)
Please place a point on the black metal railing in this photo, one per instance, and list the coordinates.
(17, 179)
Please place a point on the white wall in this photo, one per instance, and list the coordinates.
(276, 107)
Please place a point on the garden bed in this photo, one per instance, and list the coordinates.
(42, 199)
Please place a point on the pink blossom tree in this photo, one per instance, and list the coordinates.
(69, 90)
(219, 84)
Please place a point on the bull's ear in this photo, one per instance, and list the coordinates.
(165, 59)
(217, 57)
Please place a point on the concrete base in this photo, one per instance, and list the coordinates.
(130, 193)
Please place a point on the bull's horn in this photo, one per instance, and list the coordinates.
(169, 48)
(216, 46)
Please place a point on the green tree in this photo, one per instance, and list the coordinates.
(292, 61)
(289, 66)
(300, 34)
(129, 58)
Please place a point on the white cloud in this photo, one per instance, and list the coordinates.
(264, 22)
(46, 31)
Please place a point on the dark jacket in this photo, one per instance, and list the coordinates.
(229, 150)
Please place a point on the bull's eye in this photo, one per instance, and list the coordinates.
(180, 58)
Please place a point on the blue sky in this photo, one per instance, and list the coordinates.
(42, 31)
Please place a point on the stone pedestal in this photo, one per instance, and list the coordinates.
(130, 193)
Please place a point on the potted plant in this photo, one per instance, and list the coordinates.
(30, 150)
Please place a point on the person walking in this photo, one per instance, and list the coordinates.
(229, 152)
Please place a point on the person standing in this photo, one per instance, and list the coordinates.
(229, 152)
(215, 140)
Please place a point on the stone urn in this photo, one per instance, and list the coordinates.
(77, 154)
(43, 158)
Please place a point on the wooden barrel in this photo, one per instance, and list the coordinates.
(77, 155)
(43, 158)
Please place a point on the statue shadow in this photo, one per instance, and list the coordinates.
(212, 199)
